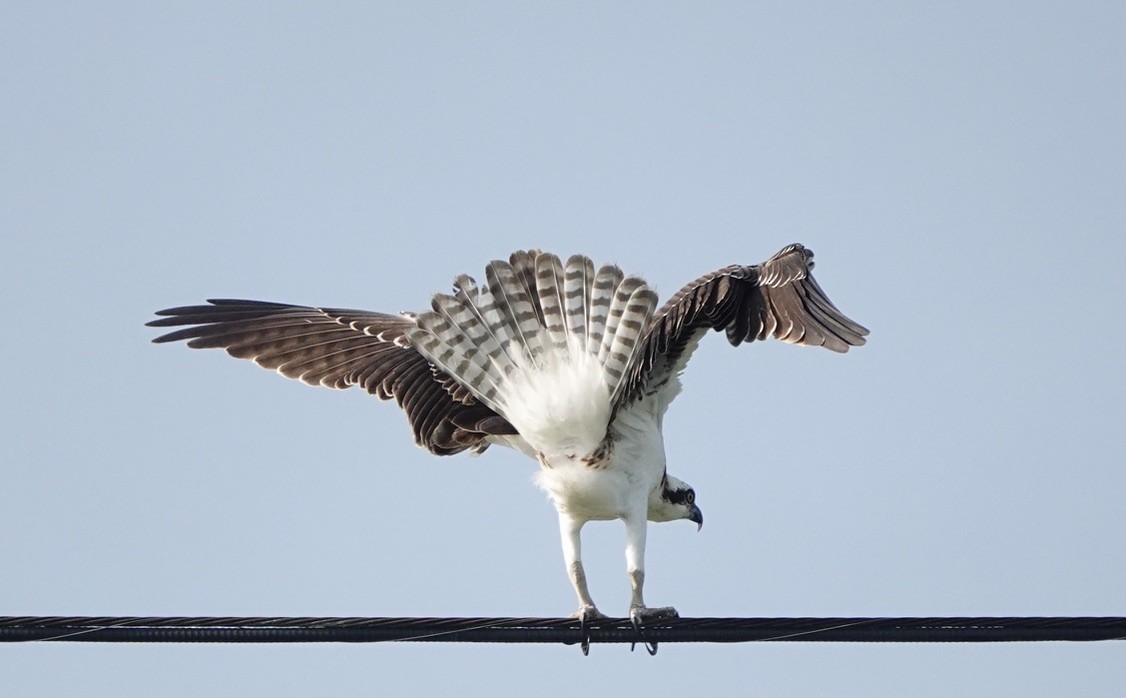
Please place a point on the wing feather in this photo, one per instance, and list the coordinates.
(339, 348)
(778, 298)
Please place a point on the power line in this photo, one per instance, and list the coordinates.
(557, 630)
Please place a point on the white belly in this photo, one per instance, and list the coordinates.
(620, 486)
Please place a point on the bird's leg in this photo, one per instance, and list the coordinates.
(569, 530)
(636, 527)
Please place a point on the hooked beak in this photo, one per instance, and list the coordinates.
(694, 514)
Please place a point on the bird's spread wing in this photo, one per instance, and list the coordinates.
(778, 298)
(340, 348)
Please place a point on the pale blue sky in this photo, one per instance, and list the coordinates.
(957, 167)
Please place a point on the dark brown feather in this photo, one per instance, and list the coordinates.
(777, 298)
(339, 348)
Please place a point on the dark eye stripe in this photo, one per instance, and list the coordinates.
(679, 496)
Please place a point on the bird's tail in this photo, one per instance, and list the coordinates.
(543, 343)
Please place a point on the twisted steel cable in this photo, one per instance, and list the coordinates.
(557, 630)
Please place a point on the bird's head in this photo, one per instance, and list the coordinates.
(674, 499)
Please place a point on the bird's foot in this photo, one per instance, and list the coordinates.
(641, 614)
(585, 615)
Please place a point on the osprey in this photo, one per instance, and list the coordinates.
(567, 364)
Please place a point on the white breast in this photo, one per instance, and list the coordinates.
(617, 486)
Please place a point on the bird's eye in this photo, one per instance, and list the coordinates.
(690, 497)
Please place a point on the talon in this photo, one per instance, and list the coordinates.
(638, 614)
(585, 615)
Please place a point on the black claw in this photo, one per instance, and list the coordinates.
(635, 621)
(585, 616)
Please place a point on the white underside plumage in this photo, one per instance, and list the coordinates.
(559, 404)
(561, 409)
(620, 485)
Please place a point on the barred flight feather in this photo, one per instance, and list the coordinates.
(597, 312)
(515, 305)
(578, 288)
(549, 281)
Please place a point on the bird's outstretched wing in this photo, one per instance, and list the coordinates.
(339, 348)
(778, 298)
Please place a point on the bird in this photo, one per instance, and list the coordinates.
(570, 365)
